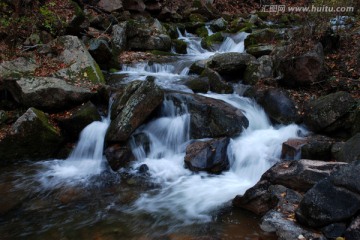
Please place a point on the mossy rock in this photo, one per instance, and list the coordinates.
(198, 85)
(180, 46)
(195, 17)
(263, 36)
(32, 137)
(210, 41)
(263, 15)
(202, 32)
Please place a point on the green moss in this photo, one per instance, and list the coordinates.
(202, 32)
(195, 17)
(94, 74)
(209, 41)
(180, 46)
(44, 120)
(263, 15)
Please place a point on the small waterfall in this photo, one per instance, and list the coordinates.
(209, 31)
(85, 160)
(186, 197)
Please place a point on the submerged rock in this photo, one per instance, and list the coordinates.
(46, 92)
(210, 156)
(31, 137)
(118, 156)
(132, 108)
(211, 118)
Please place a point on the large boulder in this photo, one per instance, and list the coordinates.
(18, 67)
(110, 5)
(230, 64)
(145, 34)
(353, 231)
(258, 69)
(31, 137)
(303, 70)
(325, 112)
(211, 118)
(334, 199)
(72, 53)
(46, 92)
(350, 151)
(299, 175)
(119, 38)
(279, 106)
(131, 110)
(210, 156)
(77, 119)
(264, 36)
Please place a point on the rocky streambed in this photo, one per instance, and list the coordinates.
(187, 145)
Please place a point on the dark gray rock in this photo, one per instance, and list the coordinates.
(258, 69)
(300, 175)
(279, 106)
(260, 50)
(31, 137)
(317, 148)
(198, 85)
(334, 199)
(119, 37)
(46, 93)
(131, 112)
(216, 82)
(350, 150)
(353, 231)
(210, 156)
(118, 156)
(100, 51)
(302, 70)
(291, 149)
(110, 5)
(78, 119)
(334, 230)
(324, 112)
(211, 118)
(230, 64)
(263, 36)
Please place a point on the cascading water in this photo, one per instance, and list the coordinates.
(186, 197)
(85, 160)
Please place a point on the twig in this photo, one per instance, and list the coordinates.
(27, 48)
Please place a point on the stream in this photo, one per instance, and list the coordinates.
(81, 198)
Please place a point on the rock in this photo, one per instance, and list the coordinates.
(74, 18)
(278, 105)
(100, 51)
(218, 24)
(210, 42)
(258, 199)
(146, 34)
(291, 149)
(285, 228)
(118, 156)
(31, 137)
(135, 5)
(73, 53)
(198, 67)
(210, 156)
(333, 199)
(119, 40)
(260, 50)
(263, 36)
(46, 93)
(79, 118)
(180, 46)
(211, 118)
(355, 119)
(303, 70)
(334, 230)
(198, 85)
(330, 41)
(17, 68)
(132, 113)
(353, 231)
(317, 148)
(230, 64)
(300, 175)
(110, 5)
(216, 82)
(350, 151)
(3, 117)
(324, 112)
(258, 69)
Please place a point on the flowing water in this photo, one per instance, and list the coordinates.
(81, 198)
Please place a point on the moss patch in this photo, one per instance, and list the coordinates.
(94, 74)
(210, 41)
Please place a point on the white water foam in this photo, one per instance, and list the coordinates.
(189, 197)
